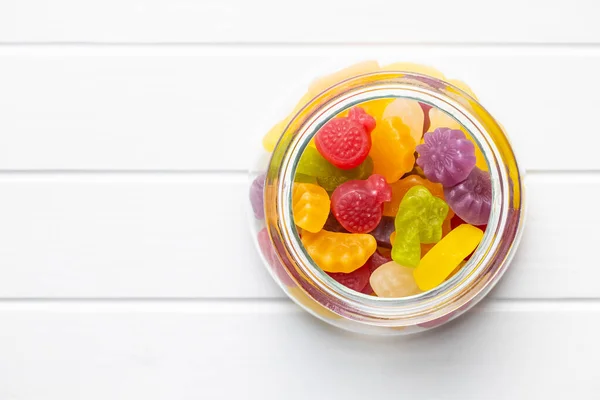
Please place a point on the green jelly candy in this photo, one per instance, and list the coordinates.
(301, 178)
(328, 176)
(419, 220)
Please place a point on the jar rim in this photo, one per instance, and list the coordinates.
(485, 266)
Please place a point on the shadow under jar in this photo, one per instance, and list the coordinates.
(318, 293)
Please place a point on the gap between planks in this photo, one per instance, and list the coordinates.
(255, 305)
(294, 49)
(233, 176)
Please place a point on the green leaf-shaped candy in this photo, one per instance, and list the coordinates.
(328, 176)
(419, 220)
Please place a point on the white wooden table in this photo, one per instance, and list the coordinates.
(126, 267)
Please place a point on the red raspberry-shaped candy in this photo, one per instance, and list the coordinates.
(358, 205)
(345, 142)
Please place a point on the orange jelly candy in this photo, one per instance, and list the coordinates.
(392, 150)
(376, 108)
(339, 252)
(310, 206)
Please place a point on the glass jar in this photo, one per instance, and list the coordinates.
(305, 283)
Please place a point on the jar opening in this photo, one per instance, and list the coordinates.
(492, 255)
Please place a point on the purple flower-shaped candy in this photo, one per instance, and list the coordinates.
(257, 196)
(471, 199)
(446, 157)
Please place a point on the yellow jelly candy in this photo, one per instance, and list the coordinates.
(439, 119)
(392, 150)
(463, 86)
(301, 297)
(410, 112)
(310, 205)
(315, 88)
(417, 68)
(339, 252)
(376, 108)
(393, 280)
(446, 255)
(325, 82)
(270, 139)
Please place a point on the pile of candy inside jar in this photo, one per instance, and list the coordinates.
(390, 198)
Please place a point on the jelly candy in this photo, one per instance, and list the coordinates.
(393, 149)
(400, 188)
(462, 86)
(458, 268)
(376, 108)
(339, 252)
(376, 260)
(446, 255)
(439, 119)
(426, 122)
(419, 220)
(312, 163)
(311, 304)
(471, 199)
(446, 156)
(310, 205)
(393, 280)
(383, 231)
(446, 228)
(323, 83)
(345, 142)
(456, 221)
(272, 137)
(268, 251)
(356, 280)
(332, 225)
(425, 247)
(257, 196)
(316, 87)
(411, 114)
(416, 68)
(301, 178)
(357, 205)
(386, 252)
(368, 290)
(363, 171)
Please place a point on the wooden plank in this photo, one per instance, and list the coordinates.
(313, 21)
(186, 236)
(216, 351)
(207, 108)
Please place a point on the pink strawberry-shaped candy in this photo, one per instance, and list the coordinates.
(358, 205)
(346, 141)
(355, 280)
